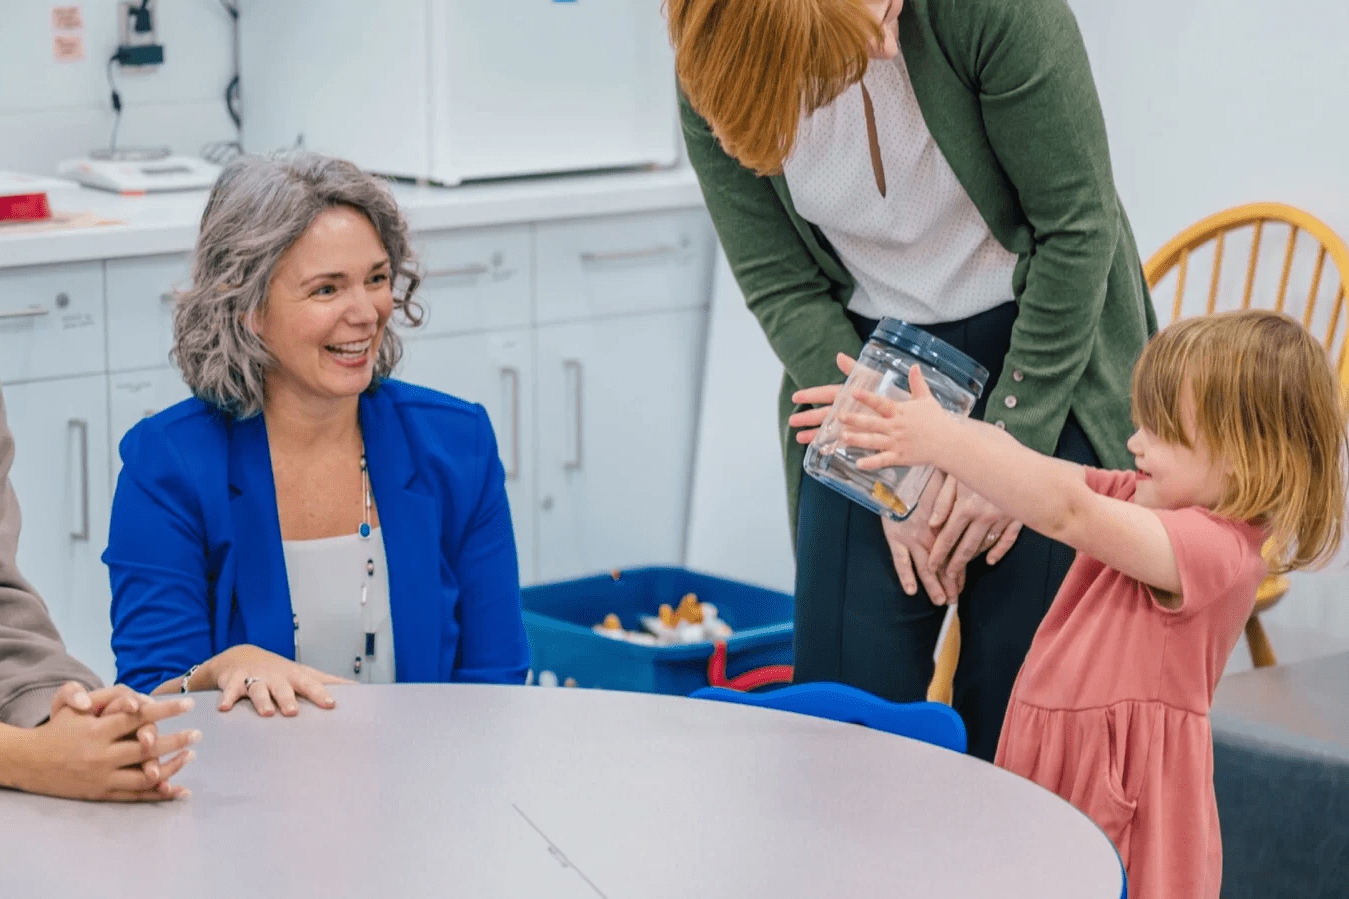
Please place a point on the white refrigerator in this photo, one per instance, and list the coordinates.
(447, 91)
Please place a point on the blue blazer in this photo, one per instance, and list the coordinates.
(195, 557)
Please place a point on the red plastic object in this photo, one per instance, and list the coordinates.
(24, 208)
(750, 680)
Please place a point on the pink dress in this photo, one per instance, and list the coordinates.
(1110, 710)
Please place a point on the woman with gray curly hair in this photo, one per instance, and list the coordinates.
(304, 519)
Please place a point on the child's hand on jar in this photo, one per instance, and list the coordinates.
(907, 433)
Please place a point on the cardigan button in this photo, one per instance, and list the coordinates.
(1000, 424)
(1017, 375)
(1010, 402)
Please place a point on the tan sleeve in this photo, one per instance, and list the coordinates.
(33, 660)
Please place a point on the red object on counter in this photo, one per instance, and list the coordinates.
(24, 208)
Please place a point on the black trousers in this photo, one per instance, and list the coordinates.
(856, 625)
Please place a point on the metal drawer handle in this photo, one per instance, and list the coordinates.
(79, 424)
(577, 459)
(510, 379)
(30, 312)
(621, 255)
(463, 271)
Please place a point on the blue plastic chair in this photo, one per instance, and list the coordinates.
(930, 722)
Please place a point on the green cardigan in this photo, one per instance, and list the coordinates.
(1006, 90)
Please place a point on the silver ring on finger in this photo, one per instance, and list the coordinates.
(250, 681)
(992, 537)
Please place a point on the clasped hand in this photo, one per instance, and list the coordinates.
(951, 523)
(104, 745)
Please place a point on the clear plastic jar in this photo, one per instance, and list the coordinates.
(956, 382)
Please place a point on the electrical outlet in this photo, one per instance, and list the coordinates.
(138, 26)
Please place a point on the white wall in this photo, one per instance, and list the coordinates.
(738, 526)
(1212, 103)
(52, 110)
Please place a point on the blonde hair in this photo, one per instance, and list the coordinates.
(751, 68)
(1267, 403)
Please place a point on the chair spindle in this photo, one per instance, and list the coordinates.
(1250, 266)
(1316, 288)
(1334, 318)
(1287, 267)
(1217, 270)
(1180, 283)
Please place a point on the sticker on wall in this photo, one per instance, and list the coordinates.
(67, 18)
(68, 40)
(68, 47)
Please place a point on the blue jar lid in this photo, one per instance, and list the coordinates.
(934, 351)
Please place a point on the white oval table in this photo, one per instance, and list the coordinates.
(476, 791)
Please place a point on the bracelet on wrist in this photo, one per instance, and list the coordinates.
(187, 678)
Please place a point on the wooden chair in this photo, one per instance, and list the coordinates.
(1322, 312)
(948, 654)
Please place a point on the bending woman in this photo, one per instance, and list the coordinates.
(943, 162)
(304, 519)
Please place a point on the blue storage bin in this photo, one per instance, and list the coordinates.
(559, 617)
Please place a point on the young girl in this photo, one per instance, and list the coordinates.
(1240, 444)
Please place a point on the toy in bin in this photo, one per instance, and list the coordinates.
(692, 622)
(572, 634)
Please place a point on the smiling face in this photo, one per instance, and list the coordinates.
(887, 13)
(328, 302)
(1174, 476)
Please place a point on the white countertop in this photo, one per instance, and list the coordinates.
(167, 223)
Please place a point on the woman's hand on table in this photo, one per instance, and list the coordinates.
(267, 680)
(104, 746)
(969, 525)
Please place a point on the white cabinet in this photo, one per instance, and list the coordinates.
(617, 410)
(475, 280)
(51, 321)
(140, 309)
(620, 265)
(496, 370)
(583, 339)
(134, 395)
(60, 474)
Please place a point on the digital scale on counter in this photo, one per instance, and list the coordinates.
(132, 173)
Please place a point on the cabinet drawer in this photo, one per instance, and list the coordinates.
(624, 264)
(51, 321)
(140, 308)
(476, 280)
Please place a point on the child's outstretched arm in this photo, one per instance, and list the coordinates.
(1049, 495)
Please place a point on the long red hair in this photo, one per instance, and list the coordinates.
(752, 68)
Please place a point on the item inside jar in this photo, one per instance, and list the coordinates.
(886, 497)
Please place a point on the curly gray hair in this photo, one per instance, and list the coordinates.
(259, 207)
